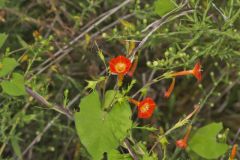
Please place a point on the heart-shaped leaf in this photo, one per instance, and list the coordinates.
(7, 66)
(110, 97)
(205, 144)
(15, 87)
(98, 130)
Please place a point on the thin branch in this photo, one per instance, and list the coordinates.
(130, 149)
(109, 13)
(111, 25)
(43, 68)
(30, 19)
(180, 123)
(158, 23)
(43, 101)
(39, 136)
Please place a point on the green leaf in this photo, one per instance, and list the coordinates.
(22, 42)
(16, 147)
(100, 54)
(129, 87)
(205, 144)
(28, 118)
(100, 131)
(148, 157)
(110, 96)
(15, 87)
(7, 66)
(163, 6)
(3, 36)
(115, 155)
(92, 84)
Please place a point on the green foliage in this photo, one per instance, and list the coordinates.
(14, 87)
(142, 151)
(3, 36)
(100, 131)
(205, 144)
(171, 56)
(7, 66)
(127, 25)
(101, 56)
(163, 6)
(115, 155)
(22, 42)
(129, 87)
(64, 52)
(92, 84)
(109, 99)
(16, 147)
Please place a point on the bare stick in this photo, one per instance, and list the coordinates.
(43, 101)
(130, 149)
(111, 25)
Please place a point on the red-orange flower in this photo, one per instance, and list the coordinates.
(182, 143)
(196, 71)
(145, 107)
(120, 66)
(233, 152)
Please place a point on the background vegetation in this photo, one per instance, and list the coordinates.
(52, 49)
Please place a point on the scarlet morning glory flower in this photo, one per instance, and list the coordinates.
(196, 71)
(182, 143)
(233, 152)
(120, 66)
(145, 107)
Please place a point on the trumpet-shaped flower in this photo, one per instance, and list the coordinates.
(196, 71)
(145, 107)
(120, 66)
(182, 143)
(233, 152)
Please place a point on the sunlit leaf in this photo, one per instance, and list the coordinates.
(100, 131)
(109, 98)
(205, 144)
(14, 87)
(7, 66)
